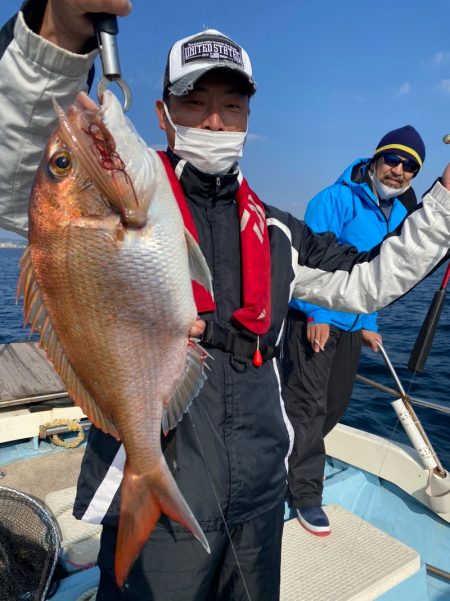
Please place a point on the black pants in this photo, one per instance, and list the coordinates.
(173, 566)
(317, 389)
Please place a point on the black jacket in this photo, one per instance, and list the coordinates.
(233, 443)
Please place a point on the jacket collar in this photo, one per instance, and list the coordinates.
(200, 186)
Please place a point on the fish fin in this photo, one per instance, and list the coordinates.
(142, 500)
(198, 266)
(186, 388)
(35, 314)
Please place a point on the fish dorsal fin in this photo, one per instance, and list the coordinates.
(37, 316)
(198, 266)
(187, 387)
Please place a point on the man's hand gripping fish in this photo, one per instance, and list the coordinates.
(106, 280)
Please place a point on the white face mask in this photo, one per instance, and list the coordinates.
(212, 152)
(386, 192)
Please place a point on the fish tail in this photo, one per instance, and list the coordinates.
(143, 499)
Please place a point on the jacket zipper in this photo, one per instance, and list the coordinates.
(387, 232)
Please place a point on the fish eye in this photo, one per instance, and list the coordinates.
(60, 164)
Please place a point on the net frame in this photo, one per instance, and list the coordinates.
(26, 524)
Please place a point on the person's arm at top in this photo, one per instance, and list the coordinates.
(40, 59)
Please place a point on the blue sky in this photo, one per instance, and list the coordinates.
(333, 77)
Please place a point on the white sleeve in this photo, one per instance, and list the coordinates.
(32, 72)
(370, 281)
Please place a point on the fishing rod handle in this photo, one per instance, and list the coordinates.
(446, 277)
(425, 338)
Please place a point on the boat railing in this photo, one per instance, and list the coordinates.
(396, 393)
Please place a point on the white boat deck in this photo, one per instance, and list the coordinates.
(80, 540)
(356, 563)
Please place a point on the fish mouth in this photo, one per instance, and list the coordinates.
(86, 130)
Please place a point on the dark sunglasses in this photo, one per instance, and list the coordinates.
(393, 160)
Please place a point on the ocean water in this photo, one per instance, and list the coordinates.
(369, 409)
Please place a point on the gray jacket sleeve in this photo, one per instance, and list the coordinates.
(32, 72)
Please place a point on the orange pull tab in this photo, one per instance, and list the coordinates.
(257, 357)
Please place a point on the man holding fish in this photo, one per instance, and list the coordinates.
(105, 240)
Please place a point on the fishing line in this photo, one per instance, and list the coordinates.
(213, 488)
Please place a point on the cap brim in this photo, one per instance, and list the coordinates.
(186, 83)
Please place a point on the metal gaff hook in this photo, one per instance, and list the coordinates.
(106, 29)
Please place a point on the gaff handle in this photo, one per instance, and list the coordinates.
(106, 29)
(105, 22)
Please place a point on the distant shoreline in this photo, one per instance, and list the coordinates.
(10, 244)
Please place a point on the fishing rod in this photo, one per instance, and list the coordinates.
(424, 340)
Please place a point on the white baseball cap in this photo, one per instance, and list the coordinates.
(192, 57)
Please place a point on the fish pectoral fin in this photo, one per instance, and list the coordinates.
(36, 314)
(142, 500)
(186, 388)
(198, 267)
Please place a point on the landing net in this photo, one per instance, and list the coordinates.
(29, 547)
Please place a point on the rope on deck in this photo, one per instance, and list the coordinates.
(73, 425)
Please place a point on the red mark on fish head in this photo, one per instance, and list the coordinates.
(104, 149)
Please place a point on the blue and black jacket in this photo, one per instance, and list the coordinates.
(350, 209)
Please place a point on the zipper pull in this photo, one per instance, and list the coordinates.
(257, 357)
(218, 184)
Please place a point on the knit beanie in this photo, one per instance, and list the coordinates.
(405, 141)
